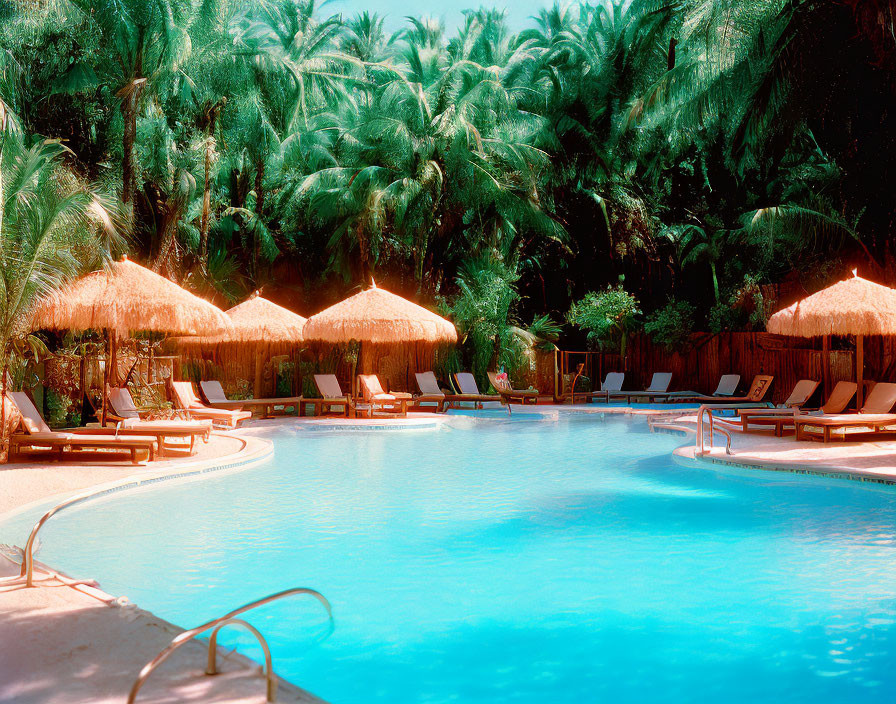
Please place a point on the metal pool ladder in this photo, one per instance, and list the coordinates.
(707, 409)
(219, 623)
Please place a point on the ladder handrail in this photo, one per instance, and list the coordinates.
(707, 409)
(187, 636)
(268, 669)
(27, 570)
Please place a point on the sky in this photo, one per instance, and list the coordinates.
(518, 11)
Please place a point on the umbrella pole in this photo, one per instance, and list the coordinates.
(826, 364)
(860, 371)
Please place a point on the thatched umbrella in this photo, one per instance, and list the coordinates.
(855, 306)
(377, 316)
(260, 326)
(125, 298)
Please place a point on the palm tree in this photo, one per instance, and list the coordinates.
(48, 234)
(285, 41)
(697, 245)
(145, 40)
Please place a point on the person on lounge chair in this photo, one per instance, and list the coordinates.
(185, 399)
(509, 395)
(216, 398)
(34, 433)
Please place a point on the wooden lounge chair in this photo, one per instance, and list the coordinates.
(430, 392)
(658, 388)
(216, 398)
(331, 397)
(185, 399)
(757, 392)
(375, 397)
(125, 413)
(612, 383)
(874, 416)
(510, 395)
(781, 420)
(34, 433)
(469, 391)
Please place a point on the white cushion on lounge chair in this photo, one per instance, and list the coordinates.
(429, 385)
(467, 383)
(328, 385)
(613, 382)
(727, 385)
(660, 382)
(213, 391)
(31, 417)
(123, 403)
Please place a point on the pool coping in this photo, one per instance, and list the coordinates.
(686, 455)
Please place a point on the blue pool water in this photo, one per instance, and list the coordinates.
(514, 561)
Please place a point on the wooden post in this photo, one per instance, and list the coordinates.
(860, 371)
(826, 364)
(259, 372)
(113, 357)
(105, 379)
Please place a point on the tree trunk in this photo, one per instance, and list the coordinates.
(211, 120)
(715, 280)
(259, 187)
(259, 208)
(206, 206)
(4, 436)
(128, 139)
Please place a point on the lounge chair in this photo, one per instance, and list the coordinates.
(469, 391)
(125, 413)
(510, 395)
(331, 397)
(781, 420)
(755, 395)
(612, 383)
(34, 433)
(185, 399)
(430, 392)
(375, 396)
(216, 398)
(875, 416)
(658, 388)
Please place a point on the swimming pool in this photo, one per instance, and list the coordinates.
(516, 561)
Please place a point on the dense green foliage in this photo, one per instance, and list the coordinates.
(701, 149)
(607, 317)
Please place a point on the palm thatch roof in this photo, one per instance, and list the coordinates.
(255, 321)
(377, 316)
(855, 306)
(126, 298)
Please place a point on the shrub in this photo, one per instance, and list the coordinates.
(745, 309)
(672, 325)
(608, 317)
